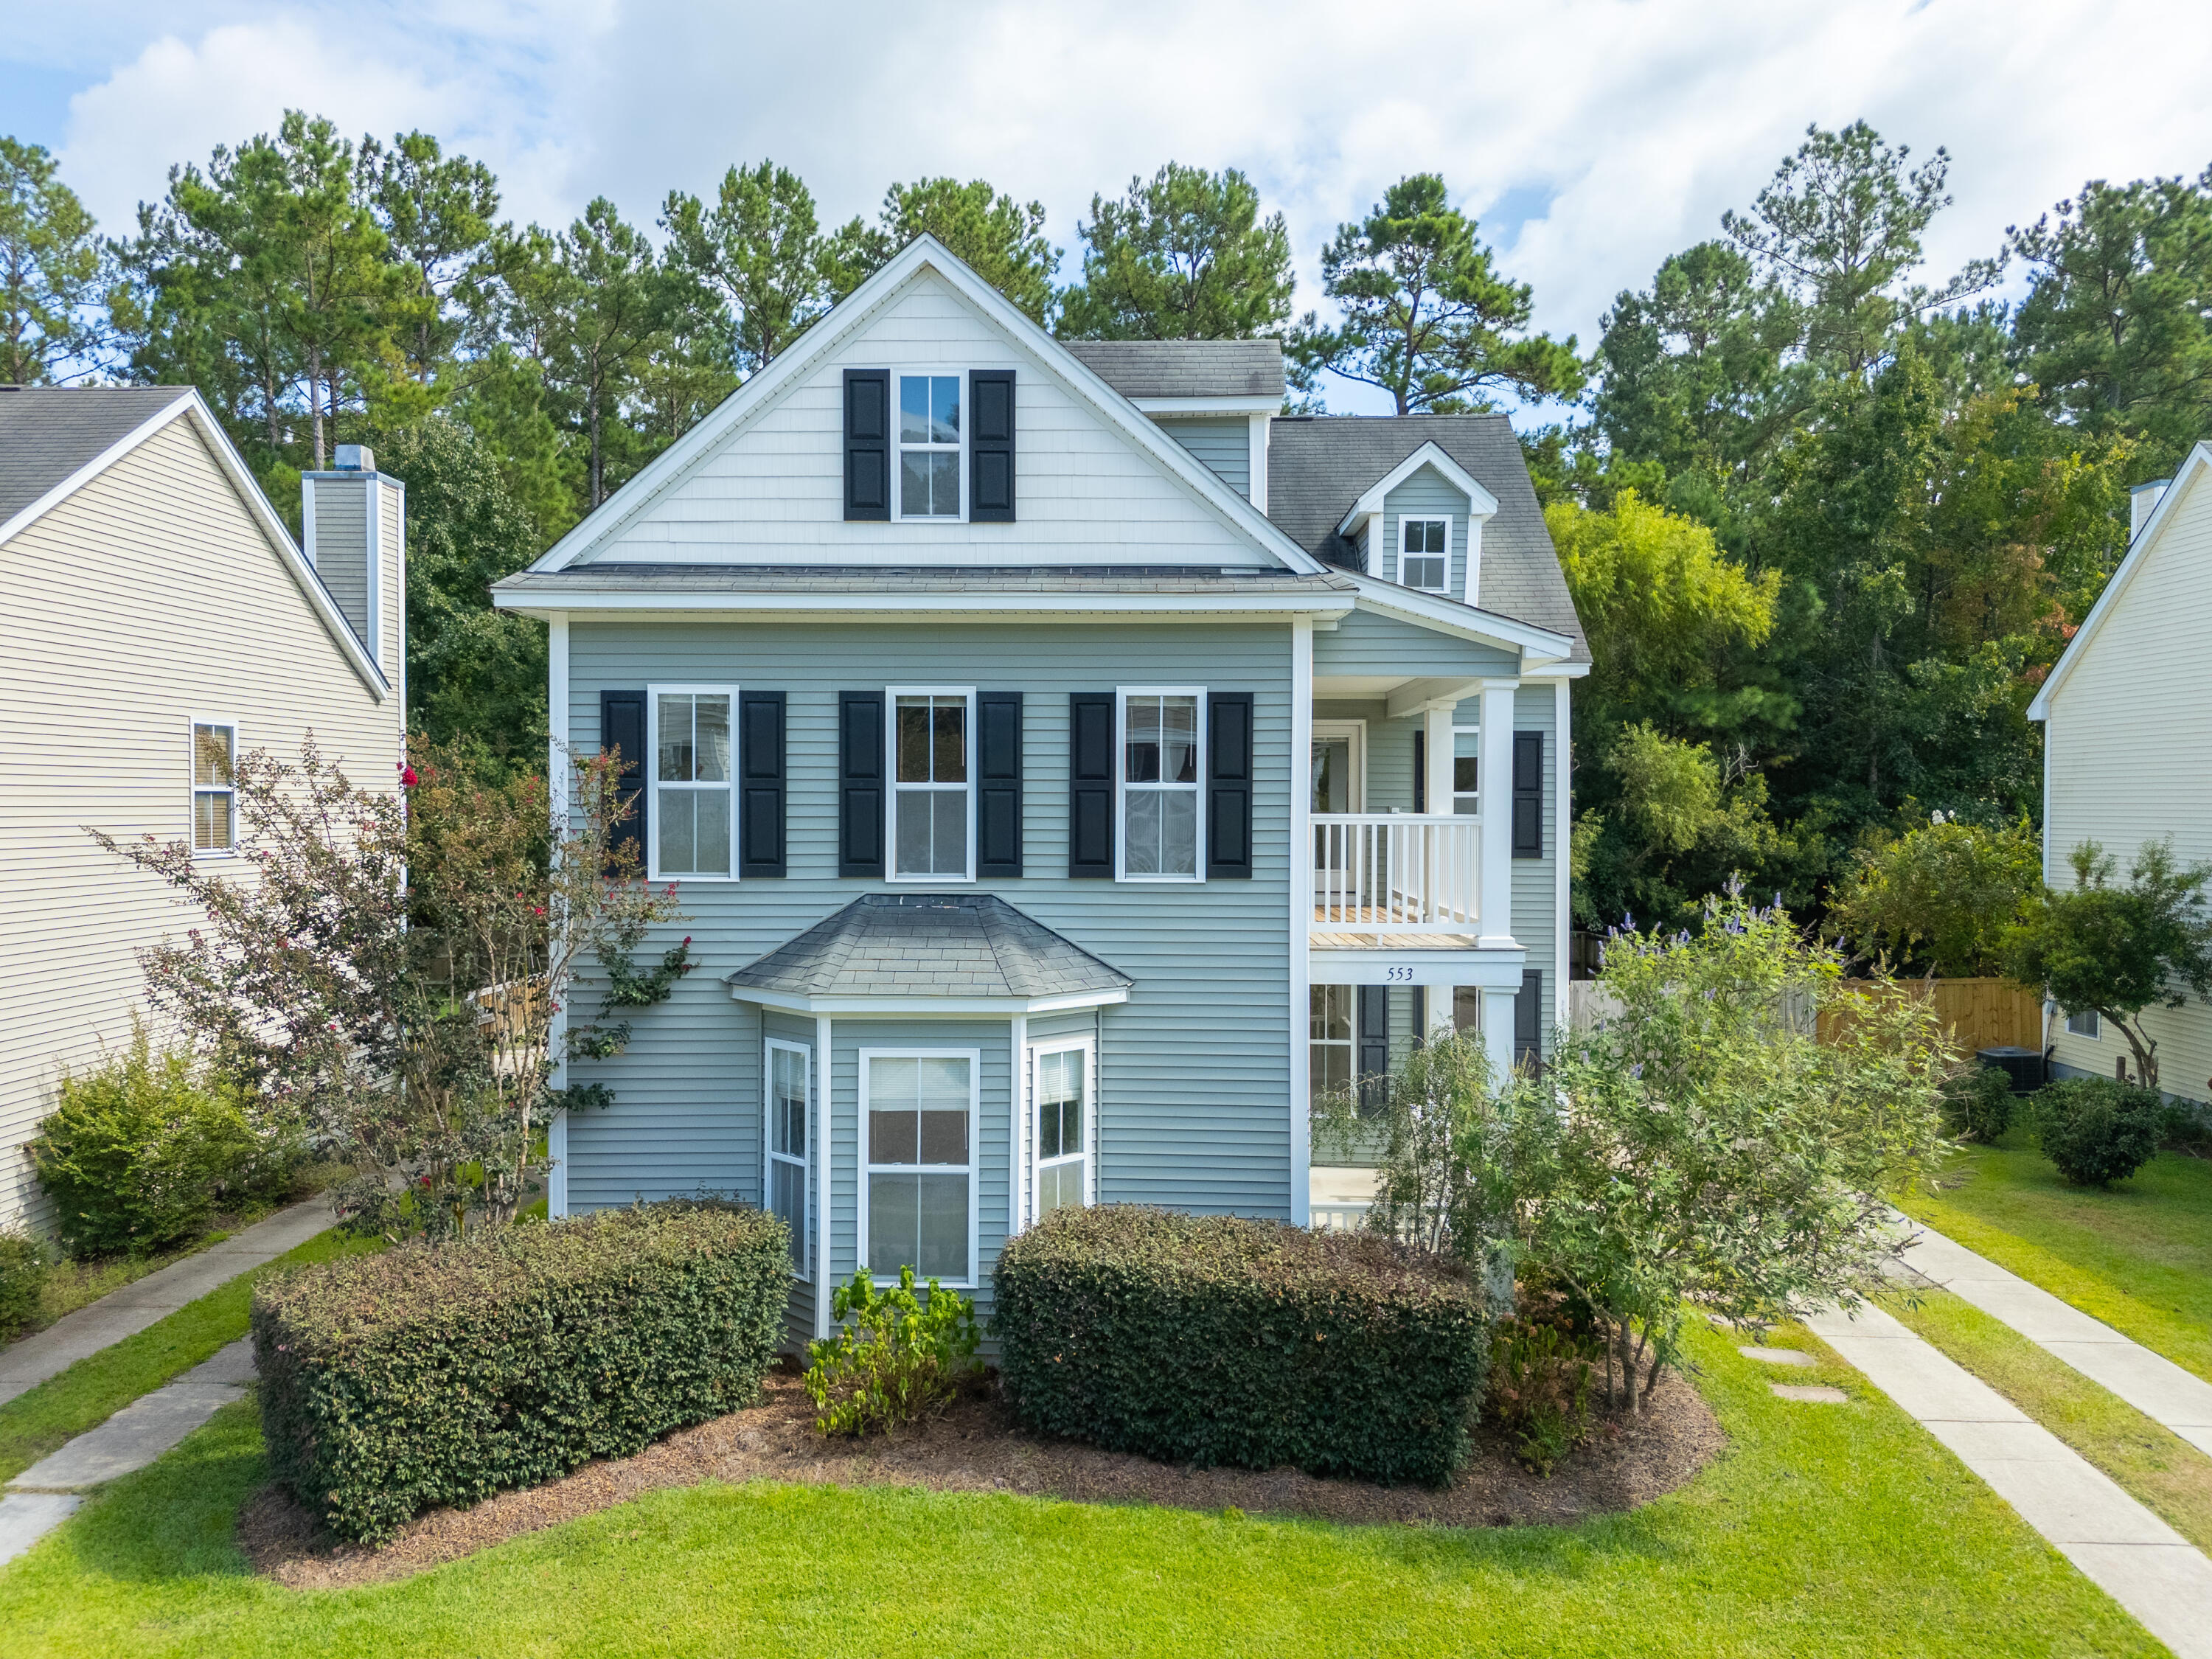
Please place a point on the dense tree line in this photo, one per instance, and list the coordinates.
(1827, 520)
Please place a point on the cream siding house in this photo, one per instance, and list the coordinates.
(157, 612)
(2127, 719)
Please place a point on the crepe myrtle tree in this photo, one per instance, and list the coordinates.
(2120, 949)
(1704, 1147)
(385, 969)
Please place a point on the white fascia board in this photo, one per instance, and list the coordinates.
(2191, 471)
(926, 1007)
(997, 607)
(1537, 645)
(1481, 504)
(668, 467)
(1172, 407)
(1489, 970)
(1419, 695)
(188, 405)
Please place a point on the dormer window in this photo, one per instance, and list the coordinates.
(929, 446)
(1425, 554)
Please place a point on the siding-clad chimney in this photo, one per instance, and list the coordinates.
(2143, 501)
(352, 521)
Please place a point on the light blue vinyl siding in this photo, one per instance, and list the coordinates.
(1366, 643)
(1389, 781)
(1194, 1074)
(1427, 494)
(1536, 881)
(1223, 442)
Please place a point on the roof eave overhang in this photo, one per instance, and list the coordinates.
(1537, 647)
(973, 606)
(1255, 405)
(927, 1007)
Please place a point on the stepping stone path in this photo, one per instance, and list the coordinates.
(1779, 1356)
(1817, 1393)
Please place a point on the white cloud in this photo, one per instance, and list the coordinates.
(1633, 125)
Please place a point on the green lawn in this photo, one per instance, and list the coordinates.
(95, 1387)
(2138, 1255)
(2156, 1465)
(1825, 1530)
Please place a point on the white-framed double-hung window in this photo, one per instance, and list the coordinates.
(789, 1124)
(930, 447)
(933, 800)
(1064, 1131)
(692, 819)
(918, 1186)
(1467, 771)
(1425, 554)
(214, 787)
(1162, 760)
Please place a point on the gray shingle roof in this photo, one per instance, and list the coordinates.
(48, 432)
(1319, 466)
(907, 578)
(1185, 369)
(929, 944)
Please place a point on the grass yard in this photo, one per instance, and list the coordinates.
(2156, 1465)
(1823, 1530)
(2138, 1255)
(96, 1387)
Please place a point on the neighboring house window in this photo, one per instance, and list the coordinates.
(2087, 1023)
(1161, 765)
(931, 806)
(787, 1119)
(1467, 749)
(929, 446)
(214, 787)
(1329, 1062)
(1425, 553)
(1062, 1152)
(919, 1188)
(694, 826)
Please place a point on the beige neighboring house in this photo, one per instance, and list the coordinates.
(157, 618)
(2127, 721)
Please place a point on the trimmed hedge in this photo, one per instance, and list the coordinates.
(22, 1274)
(2098, 1130)
(442, 1373)
(1212, 1339)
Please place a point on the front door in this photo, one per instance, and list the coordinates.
(1339, 762)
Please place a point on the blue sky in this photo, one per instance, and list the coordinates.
(1592, 137)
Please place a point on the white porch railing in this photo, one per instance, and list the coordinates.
(1391, 874)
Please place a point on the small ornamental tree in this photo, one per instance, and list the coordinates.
(1704, 1146)
(1942, 895)
(385, 973)
(2121, 950)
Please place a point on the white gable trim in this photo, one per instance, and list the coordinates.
(1481, 504)
(2192, 473)
(1208, 405)
(188, 405)
(973, 606)
(1535, 646)
(673, 464)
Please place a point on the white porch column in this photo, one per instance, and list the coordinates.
(1301, 919)
(1498, 1030)
(1495, 780)
(1017, 1163)
(1437, 740)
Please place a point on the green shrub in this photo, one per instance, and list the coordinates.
(142, 1148)
(1212, 1339)
(442, 1373)
(1977, 1104)
(22, 1275)
(1541, 1367)
(898, 1360)
(2096, 1130)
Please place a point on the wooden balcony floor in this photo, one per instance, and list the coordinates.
(1336, 928)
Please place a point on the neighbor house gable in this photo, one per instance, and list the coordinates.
(760, 480)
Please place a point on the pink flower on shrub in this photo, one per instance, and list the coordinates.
(407, 778)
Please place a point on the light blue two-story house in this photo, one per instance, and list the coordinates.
(1069, 766)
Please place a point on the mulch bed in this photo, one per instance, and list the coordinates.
(977, 1446)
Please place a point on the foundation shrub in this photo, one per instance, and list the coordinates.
(1543, 1361)
(898, 1357)
(1978, 1105)
(1213, 1339)
(442, 1373)
(2097, 1131)
(22, 1275)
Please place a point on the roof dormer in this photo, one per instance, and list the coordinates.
(1420, 525)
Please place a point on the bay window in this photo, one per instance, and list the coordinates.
(788, 1123)
(918, 1189)
(1063, 1160)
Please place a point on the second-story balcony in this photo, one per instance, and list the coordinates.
(1396, 881)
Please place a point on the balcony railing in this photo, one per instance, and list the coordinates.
(1390, 876)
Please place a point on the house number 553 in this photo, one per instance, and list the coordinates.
(1397, 975)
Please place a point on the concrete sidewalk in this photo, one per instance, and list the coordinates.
(130, 1310)
(2149, 1568)
(2149, 1382)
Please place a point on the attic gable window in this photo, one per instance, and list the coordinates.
(1425, 553)
(929, 446)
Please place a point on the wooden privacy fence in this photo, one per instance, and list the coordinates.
(1977, 1013)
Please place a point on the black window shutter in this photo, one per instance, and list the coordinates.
(999, 783)
(1528, 795)
(1420, 771)
(760, 783)
(1528, 1020)
(991, 446)
(868, 443)
(860, 783)
(1091, 784)
(1228, 785)
(1371, 1046)
(622, 726)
